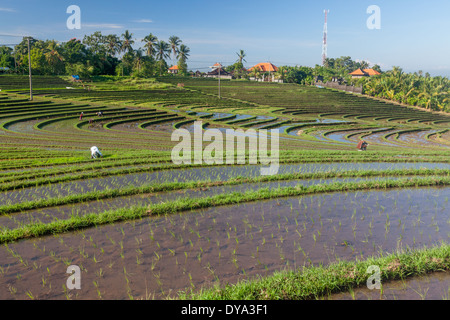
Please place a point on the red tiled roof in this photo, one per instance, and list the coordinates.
(265, 66)
(371, 72)
(175, 67)
(358, 72)
(365, 72)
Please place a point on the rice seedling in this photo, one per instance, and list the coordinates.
(111, 181)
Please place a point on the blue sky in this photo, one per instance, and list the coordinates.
(413, 35)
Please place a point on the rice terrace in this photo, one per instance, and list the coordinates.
(183, 152)
(140, 227)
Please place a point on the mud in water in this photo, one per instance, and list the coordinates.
(189, 174)
(47, 215)
(434, 286)
(376, 138)
(419, 138)
(155, 257)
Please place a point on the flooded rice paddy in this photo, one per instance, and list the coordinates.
(211, 173)
(157, 256)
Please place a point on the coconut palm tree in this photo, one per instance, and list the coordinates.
(53, 56)
(127, 41)
(113, 44)
(138, 59)
(256, 72)
(162, 49)
(174, 42)
(183, 52)
(150, 42)
(364, 65)
(241, 55)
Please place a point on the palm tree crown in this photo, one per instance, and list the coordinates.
(183, 52)
(127, 41)
(113, 44)
(162, 50)
(174, 42)
(241, 55)
(150, 42)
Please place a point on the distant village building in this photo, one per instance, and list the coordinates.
(173, 69)
(219, 72)
(266, 67)
(359, 73)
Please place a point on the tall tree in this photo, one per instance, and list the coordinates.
(95, 42)
(53, 57)
(138, 59)
(113, 44)
(6, 57)
(183, 54)
(174, 42)
(162, 52)
(74, 51)
(150, 42)
(241, 55)
(127, 41)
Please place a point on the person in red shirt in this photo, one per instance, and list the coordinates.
(362, 145)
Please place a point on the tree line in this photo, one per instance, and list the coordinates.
(96, 54)
(99, 54)
(415, 89)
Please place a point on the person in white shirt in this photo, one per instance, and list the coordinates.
(95, 152)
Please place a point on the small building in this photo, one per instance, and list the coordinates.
(268, 69)
(359, 73)
(173, 69)
(219, 72)
(319, 78)
(216, 65)
(198, 74)
(265, 67)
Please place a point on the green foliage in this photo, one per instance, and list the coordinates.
(416, 89)
(80, 69)
(95, 55)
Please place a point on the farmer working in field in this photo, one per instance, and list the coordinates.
(362, 145)
(95, 153)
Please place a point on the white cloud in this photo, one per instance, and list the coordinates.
(11, 35)
(143, 21)
(102, 25)
(7, 10)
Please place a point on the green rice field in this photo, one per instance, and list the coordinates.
(140, 226)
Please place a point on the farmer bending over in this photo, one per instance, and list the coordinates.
(362, 145)
(95, 153)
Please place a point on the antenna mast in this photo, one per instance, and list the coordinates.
(324, 45)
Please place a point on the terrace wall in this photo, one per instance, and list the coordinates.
(336, 85)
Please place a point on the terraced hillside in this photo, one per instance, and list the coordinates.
(140, 226)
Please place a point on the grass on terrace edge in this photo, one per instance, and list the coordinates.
(318, 282)
(76, 222)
